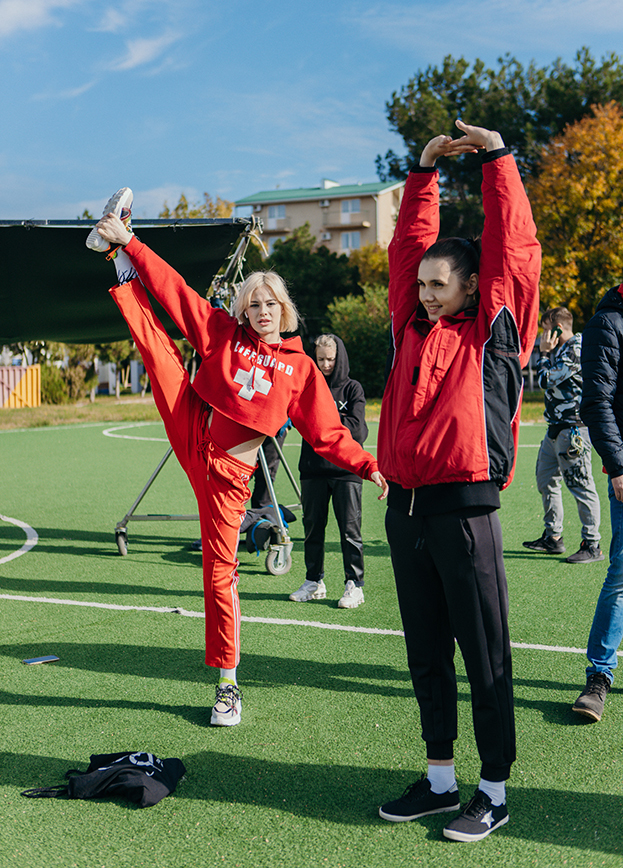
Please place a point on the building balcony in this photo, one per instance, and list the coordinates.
(333, 218)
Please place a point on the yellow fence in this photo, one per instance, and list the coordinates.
(20, 386)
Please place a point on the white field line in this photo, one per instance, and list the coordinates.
(111, 432)
(32, 538)
(281, 622)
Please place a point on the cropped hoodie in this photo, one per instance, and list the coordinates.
(254, 383)
(450, 412)
(351, 405)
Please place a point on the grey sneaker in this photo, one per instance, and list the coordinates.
(591, 701)
(352, 596)
(546, 544)
(477, 819)
(120, 203)
(227, 705)
(418, 800)
(588, 553)
(310, 591)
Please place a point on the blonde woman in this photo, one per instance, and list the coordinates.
(249, 382)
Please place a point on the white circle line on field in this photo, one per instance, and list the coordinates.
(32, 538)
(110, 432)
(283, 622)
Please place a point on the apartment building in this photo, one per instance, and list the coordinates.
(343, 217)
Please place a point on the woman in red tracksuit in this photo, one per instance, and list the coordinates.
(464, 321)
(249, 381)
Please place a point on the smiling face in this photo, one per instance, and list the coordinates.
(264, 313)
(441, 291)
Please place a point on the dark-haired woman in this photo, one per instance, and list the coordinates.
(464, 321)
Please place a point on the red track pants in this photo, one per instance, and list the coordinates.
(220, 481)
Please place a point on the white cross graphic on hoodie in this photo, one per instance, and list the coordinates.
(251, 381)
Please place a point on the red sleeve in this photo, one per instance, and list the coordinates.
(316, 417)
(417, 228)
(194, 316)
(510, 263)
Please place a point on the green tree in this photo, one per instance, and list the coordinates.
(362, 321)
(577, 202)
(314, 276)
(528, 105)
(210, 207)
(120, 353)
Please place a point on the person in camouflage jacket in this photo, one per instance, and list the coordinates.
(565, 453)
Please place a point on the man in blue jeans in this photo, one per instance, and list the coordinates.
(602, 411)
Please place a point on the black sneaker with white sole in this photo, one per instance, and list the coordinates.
(418, 800)
(477, 819)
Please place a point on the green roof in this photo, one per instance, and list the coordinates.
(303, 193)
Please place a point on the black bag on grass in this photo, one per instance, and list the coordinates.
(140, 777)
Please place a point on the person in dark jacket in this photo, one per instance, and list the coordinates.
(464, 321)
(565, 451)
(601, 410)
(322, 481)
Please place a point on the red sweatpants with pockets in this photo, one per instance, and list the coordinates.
(220, 481)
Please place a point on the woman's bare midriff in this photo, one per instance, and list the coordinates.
(234, 437)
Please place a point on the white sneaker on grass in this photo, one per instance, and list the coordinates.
(120, 203)
(227, 705)
(352, 596)
(309, 591)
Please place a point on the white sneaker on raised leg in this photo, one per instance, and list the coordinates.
(120, 203)
(352, 596)
(309, 591)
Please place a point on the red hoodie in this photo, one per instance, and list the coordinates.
(256, 384)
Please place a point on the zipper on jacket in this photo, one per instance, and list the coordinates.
(412, 502)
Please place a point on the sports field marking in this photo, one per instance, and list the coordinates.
(282, 622)
(32, 538)
(110, 432)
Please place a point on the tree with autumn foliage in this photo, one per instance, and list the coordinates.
(210, 207)
(577, 203)
(529, 105)
(372, 264)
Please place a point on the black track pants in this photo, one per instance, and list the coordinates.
(451, 584)
(346, 496)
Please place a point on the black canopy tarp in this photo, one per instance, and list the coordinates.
(52, 287)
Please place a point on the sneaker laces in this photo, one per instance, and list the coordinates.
(228, 694)
(410, 790)
(476, 805)
(596, 684)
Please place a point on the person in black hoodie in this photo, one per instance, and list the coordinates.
(322, 481)
(601, 409)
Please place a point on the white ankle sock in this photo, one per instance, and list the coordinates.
(228, 675)
(441, 778)
(496, 790)
(123, 265)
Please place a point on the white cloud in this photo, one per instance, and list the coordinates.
(142, 51)
(16, 15)
(491, 27)
(69, 93)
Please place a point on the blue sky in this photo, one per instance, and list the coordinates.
(231, 98)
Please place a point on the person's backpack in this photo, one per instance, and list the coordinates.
(140, 777)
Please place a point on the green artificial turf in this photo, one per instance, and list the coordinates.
(330, 727)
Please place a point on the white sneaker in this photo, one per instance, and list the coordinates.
(310, 591)
(121, 205)
(227, 706)
(352, 597)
